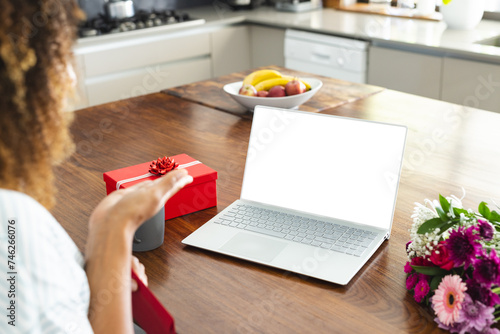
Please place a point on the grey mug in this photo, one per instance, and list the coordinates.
(150, 234)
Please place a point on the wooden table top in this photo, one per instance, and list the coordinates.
(333, 93)
(448, 147)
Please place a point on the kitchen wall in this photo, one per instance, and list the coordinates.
(95, 7)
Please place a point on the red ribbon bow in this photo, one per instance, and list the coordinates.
(162, 166)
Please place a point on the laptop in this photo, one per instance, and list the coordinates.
(318, 194)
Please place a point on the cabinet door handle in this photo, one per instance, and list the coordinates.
(321, 55)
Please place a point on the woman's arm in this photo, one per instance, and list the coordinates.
(109, 248)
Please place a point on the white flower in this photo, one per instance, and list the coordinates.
(422, 244)
(455, 202)
(423, 213)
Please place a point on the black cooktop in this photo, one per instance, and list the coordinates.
(102, 25)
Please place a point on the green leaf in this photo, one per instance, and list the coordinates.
(435, 282)
(431, 271)
(448, 225)
(458, 211)
(444, 217)
(494, 217)
(484, 210)
(430, 225)
(445, 205)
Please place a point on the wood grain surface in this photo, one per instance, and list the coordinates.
(448, 147)
(333, 93)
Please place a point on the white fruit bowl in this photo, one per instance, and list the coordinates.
(286, 102)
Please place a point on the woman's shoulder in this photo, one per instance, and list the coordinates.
(12, 202)
(47, 266)
(24, 212)
(32, 221)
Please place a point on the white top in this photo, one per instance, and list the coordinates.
(42, 277)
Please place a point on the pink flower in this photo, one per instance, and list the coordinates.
(420, 261)
(487, 269)
(448, 298)
(462, 246)
(408, 268)
(441, 258)
(411, 281)
(421, 290)
(478, 292)
(485, 229)
(475, 315)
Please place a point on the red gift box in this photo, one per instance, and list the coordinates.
(148, 312)
(199, 195)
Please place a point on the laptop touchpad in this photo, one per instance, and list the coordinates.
(255, 247)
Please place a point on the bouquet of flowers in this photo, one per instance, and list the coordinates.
(453, 264)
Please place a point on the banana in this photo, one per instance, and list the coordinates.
(308, 86)
(268, 84)
(258, 76)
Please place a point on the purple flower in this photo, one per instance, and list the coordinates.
(452, 328)
(462, 246)
(485, 229)
(473, 318)
(421, 290)
(411, 281)
(487, 269)
(407, 245)
(482, 294)
(486, 330)
(424, 277)
(475, 315)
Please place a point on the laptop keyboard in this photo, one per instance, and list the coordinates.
(336, 237)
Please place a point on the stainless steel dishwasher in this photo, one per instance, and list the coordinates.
(331, 56)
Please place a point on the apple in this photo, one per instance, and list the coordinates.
(248, 90)
(295, 87)
(262, 93)
(277, 91)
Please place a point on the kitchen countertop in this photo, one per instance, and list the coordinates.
(418, 35)
(334, 92)
(407, 34)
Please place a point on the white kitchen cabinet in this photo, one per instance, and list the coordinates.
(471, 83)
(139, 53)
(267, 46)
(146, 80)
(230, 50)
(404, 71)
(331, 56)
(114, 70)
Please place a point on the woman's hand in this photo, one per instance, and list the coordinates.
(130, 207)
(140, 271)
(109, 248)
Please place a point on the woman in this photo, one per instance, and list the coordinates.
(50, 286)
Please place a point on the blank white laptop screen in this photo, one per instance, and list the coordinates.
(332, 166)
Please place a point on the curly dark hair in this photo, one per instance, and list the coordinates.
(36, 38)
